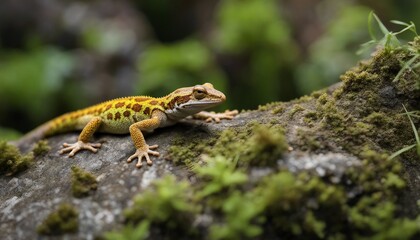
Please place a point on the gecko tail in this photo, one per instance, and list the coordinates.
(26, 141)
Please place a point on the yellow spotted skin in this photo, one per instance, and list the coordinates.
(117, 115)
(133, 115)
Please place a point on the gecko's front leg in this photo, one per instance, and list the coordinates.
(83, 141)
(142, 149)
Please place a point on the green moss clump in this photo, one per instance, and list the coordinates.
(359, 128)
(82, 182)
(63, 220)
(308, 140)
(168, 204)
(187, 152)
(323, 99)
(253, 145)
(302, 206)
(11, 161)
(295, 109)
(310, 118)
(41, 148)
(333, 118)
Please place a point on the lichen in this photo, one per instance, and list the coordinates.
(63, 220)
(82, 182)
(11, 160)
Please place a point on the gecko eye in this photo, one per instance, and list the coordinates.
(199, 92)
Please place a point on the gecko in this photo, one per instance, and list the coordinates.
(134, 115)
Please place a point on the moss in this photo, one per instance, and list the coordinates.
(323, 99)
(278, 110)
(375, 219)
(358, 81)
(359, 128)
(168, 205)
(61, 221)
(253, 145)
(304, 98)
(296, 108)
(11, 161)
(317, 94)
(41, 148)
(310, 118)
(275, 107)
(377, 118)
(333, 118)
(302, 206)
(186, 151)
(308, 140)
(82, 182)
(378, 172)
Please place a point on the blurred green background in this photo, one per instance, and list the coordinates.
(59, 56)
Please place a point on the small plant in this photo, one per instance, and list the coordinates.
(416, 135)
(389, 41)
(167, 203)
(241, 212)
(137, 232)
(219, 174)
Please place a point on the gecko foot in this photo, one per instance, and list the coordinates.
(213, 116)
(140, 153)
(73, 148)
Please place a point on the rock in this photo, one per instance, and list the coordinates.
(335, 179)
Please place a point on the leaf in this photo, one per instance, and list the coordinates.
(416, 134)
(384, 30)
(402, 150)
(411, 26)
(370, 28)
(406, 66)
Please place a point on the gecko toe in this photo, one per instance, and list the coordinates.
(154, 153)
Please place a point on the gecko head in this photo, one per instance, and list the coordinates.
(191, 100)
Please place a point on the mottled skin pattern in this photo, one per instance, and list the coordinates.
(134, 115)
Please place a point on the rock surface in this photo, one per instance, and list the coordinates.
(27, 199)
